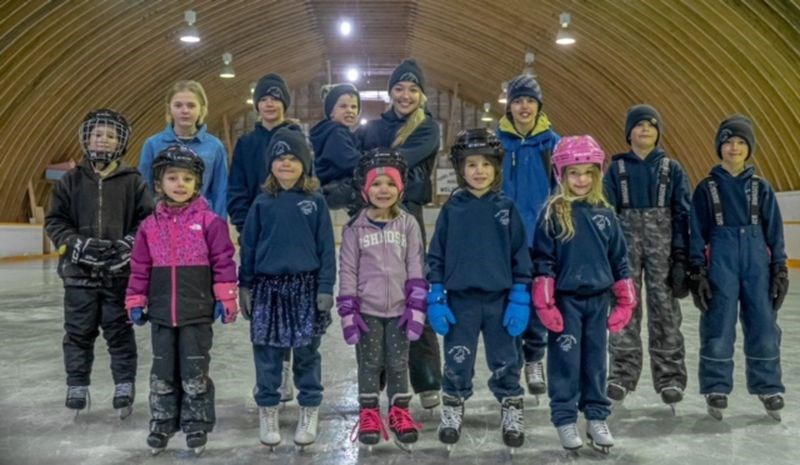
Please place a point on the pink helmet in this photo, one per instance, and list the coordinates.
(576, 150)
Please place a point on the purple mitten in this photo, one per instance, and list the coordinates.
(352, 323)
(413, 318)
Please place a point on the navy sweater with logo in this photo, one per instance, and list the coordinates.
(479, 244)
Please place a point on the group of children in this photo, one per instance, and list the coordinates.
(532, 260)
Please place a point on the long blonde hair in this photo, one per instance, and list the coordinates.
(190, 86)
(412, 123)
(558, 208)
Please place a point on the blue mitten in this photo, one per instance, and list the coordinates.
(440, 316)
(518, 310)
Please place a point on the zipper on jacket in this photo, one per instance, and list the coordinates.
(99, 206)
(172, 268)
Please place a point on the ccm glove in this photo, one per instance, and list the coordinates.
(778, 285)
(700, 287)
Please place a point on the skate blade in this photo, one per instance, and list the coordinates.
(199, 450)
(535, 402)
(125, 412)
(405, 447)
(715, 413)
(673, 409)
(271, 447)
(603, 449)
(774, 414)
(156, 450)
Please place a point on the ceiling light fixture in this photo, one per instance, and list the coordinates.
(190, 35)
(345, 28)
(487, 116)
(227, 70)
(503, 97)
(249, 100)
(564, 36)
(352, 74)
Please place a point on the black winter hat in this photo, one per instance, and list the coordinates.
(409, 71)
(290, 140)
(273, 85)
(736, 124)
(642, 112)
(336, 91)
(523, 85)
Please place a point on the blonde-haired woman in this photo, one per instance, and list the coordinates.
(186, 110)
(407, 127)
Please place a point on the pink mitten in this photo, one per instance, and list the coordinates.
(544, 302)
(352, 323)
(625, 292)
(226, 294)
(413, 318)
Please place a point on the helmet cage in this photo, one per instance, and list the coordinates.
(109, 120)
(476, 142)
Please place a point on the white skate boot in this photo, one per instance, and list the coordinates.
(569, 437)
(269, 430)
(534, 378)
(306, 432)
(599, 436)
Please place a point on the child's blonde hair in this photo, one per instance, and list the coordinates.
(558, 208)
(308, 184)
(412, 123)
(189, 86)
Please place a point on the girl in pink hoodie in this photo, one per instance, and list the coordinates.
(382, 295)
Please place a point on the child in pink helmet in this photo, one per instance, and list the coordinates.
(579, 255)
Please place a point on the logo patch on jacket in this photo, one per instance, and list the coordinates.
(602, 222)
(196, 227)
(307, 207)
(502, 216)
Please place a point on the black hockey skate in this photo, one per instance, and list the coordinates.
(716, 404)
(123, 399)
(534, 378)
(773, 403)
(78, 398)
(671, 396)
(196, 441)
(452, 417)
(158, 442)
(513, 422)
(616, 393)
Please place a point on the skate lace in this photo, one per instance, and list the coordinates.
(400, 420)
(568, 432)
(513, 419)
(451, 417)
(270, 418)
(77, 392)
(306, 416)
(123, 390)
(369, 421)
(537, 372)
(600, 427)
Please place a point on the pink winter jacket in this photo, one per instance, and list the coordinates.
(375, 263)
(178, 255)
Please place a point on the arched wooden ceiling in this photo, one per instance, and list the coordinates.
(695, 60)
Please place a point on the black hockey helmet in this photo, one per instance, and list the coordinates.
(108, 120)
(378, 158)
(178, 156)
(478, 141)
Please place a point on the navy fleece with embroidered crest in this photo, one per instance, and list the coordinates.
(336, 151)
(249, 170)
(288, 233)
(589, 263)
(643, 176)
(419, 149)
(479, 244)
(734, 192)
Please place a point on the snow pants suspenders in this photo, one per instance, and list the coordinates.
(648, 233)
(738, 270)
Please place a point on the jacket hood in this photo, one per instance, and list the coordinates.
(321, 131)
(721, 173)
(542, 125)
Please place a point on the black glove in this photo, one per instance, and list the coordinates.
(122, 253)
(89, 251)
(324, 305)
(700, 287)
(245, 302)
(778, 284)
(679, 274)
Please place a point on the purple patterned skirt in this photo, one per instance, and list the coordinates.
(285, 310)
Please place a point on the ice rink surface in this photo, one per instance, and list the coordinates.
(36, 428)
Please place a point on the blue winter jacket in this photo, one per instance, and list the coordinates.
(479, 243)
(336, 151)
(527, 177)
(288, 233)
(734, 193)
(204, 144)
(589, 263)
(419, 150)
(249, 171)
(643, 175)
